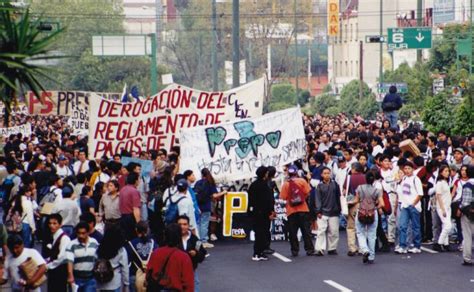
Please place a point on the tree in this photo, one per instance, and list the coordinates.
(438, 112)
(323, 102)
(22, 45)
(350, 98)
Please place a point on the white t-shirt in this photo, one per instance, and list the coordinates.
(12, 265)
(442, 189)
(63, 171)
(376, 150)
(408, 189)
(389, 182)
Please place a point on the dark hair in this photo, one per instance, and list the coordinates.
(419, 161)
(470, 171)
(271, 171)
(131, 166)
(82, 225)
(369, 177)
(182, 217)
(172, 235)
(88, 218)
(261, 172)
(81, 178)
(14, 240)
(57, 217)
(142, 227)
(132, 178)
(441, 169)
(85, 190)
(325, 168)
(188, 173)
(115, 183)
(112, 242)
(206, 174)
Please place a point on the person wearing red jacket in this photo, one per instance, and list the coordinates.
(169, 267)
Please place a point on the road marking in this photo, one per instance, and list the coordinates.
(472, 280)
(281, 257)
(428, 250)
(337, 286)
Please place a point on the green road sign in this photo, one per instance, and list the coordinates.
(384, 87)
(409, 38)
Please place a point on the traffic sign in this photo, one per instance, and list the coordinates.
(384, 87)
(409, 38)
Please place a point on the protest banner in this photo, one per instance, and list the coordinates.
(234, 150)
(62, 103)
(154, 123)
(16, 109)
(236, 222)
(147, 165)
(79, 120)
(24, 129)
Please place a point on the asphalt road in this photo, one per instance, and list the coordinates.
(230, 268)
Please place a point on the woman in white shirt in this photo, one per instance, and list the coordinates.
(23, 205)
(443, 206)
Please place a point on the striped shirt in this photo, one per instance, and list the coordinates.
(83, 257)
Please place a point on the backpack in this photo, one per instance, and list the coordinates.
(42, 192)
(367, 208)
(172, 210)
(296, 194)
(103, 271)
(14, 222)
(48, 197)
(6, 189)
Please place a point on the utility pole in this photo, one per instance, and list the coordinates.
(154, 73)
(361, 69)
(472, 44)
(296, 50)
(215, 84)
(235, 44)
(419, 23)
(309, 67)
(381, 44)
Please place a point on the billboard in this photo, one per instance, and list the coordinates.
(443, 11)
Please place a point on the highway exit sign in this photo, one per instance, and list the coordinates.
(409, 38)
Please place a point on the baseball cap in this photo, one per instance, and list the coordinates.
(292, 169)
(460, 150)
(341, 159)
(182, 184)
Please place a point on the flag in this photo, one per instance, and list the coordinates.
(124, 93)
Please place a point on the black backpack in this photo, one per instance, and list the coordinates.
(103, 271)
(200, 191)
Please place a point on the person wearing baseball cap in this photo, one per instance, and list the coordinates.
(295, 191)
(458, 157)
(179, 195)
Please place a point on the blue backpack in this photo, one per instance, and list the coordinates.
(172, 211)
(6, 189)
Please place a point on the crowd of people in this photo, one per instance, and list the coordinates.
(100, 225)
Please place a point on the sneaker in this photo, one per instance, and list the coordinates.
(414, 250)
(207, 245)
(319, 253)
(258, 258)
(332, 252)
(437, 247)
(351, 253)
(208, 255)
(401, 250)
(446, 248)
(213, 237)
(269, 251)
(311, 253)
(365, 257)
(466, 263)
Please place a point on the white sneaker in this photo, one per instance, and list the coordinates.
(400, 250)
(207, 245)
(257, 258)
(213, 237)
(414, 250)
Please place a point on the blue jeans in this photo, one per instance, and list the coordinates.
(132, 279)
(204, 226)
(367, 235)
(407, 215)
(196, 282)
(86, 285)
(144, 211)
(26, 235)
(392, 117)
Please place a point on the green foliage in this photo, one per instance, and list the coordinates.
(368, 107)
(332, 111)
(327, 88)
(323, 102)
(283, 93)
(438, 112)
(276, 106)
(464, 117)
(350, 99)
(22, 47)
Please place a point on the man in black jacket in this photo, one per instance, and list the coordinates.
(328, 209)
(391, 103)
(261, 207)
(191, 244)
